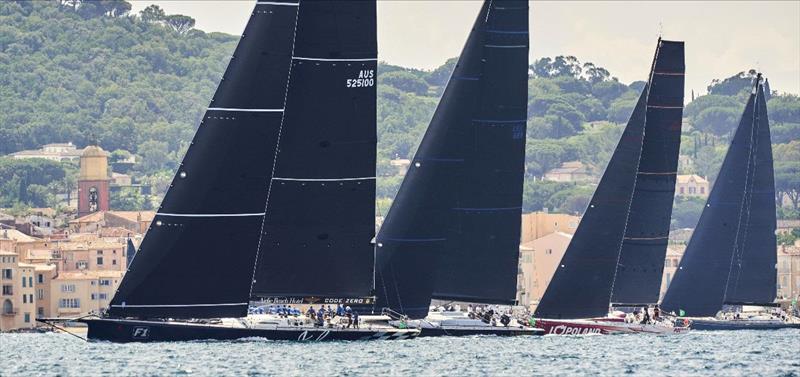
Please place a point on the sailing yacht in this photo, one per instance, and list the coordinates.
(275, 198)
(730, 260)
(617, 252)
(452, 233)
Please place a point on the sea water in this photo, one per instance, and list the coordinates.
(728, 353)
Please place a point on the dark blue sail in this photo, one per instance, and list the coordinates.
(456, 217)
(731, 256)
(581, 285)
(641, 260)
(197, 257)
(320, 214)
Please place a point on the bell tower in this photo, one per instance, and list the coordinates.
(93, 181)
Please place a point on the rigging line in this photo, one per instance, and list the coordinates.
(275, 156)
(736, 253)
(636, 176)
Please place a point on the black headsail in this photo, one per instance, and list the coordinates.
(320, 215)
(197, 257)
(456, 217)
(731, 256)
(641, 260)
(583, 282)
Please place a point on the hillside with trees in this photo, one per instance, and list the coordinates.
(137, 84)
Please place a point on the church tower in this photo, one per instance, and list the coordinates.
(93, 181)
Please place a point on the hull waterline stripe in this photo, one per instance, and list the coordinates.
(211, 214)
(245, 110)
(323, 179)
(180, 306)
(277, 3)
(335, 60)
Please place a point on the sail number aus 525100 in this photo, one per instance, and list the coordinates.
(366, 78)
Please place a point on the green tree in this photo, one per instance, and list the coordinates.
(179, 23)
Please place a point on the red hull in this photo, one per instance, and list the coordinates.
(600, 326)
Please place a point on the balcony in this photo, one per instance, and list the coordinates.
(10, 313)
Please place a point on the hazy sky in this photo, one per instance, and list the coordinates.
(722, 37)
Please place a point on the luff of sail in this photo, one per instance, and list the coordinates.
(644, 247)
(197, 258)
(320, 213)
(456, 217)
(731, 255)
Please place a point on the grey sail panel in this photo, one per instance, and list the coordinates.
(197, 257)
(457, 213)
(641, 261)
(320, 215)
(581, 285)
(703, 277)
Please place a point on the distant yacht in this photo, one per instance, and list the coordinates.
(275, 198)
(617, 252)
(731, 258)
(452, 233)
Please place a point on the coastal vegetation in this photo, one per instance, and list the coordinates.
(138, 84)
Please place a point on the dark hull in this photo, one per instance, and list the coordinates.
(124, 331)
(742, 324)
(431, 332)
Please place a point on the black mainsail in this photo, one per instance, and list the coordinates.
(320, 214)
(583, 282)
(644, 247)
(731, 256)
(456, 218)
(293, 119)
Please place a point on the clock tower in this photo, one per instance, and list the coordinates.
(93, 181)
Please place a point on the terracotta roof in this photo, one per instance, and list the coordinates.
(90, 218)
(529, 245)
(16, 235)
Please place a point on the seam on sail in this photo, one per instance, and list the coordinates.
(663, 107)
(670, 73)
(335, 60)
(509, 46)
(414, 239)
(245, 110)
(657, 173)
(323, 179)
(211, 214)
(499, 121)
(180, 305)
(487, 209)
(277, 3)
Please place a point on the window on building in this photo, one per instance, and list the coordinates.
(114, 262)
(104, 296)
(105, 282)
(67, 287)
(669, 278)
(99, 252)
(99, 261)
(24, 282)
(682, 191)
(81, 265)
(8, 290)
(8, 307)
(114, 251)
(691, 190)
(93, 297)
(24, 299)
(548, 251)
(40, 278)
(40, 311)
(7, 273)
(30, 281)
(27, 317)
(69, 303)
(702, 190)
(40, 294)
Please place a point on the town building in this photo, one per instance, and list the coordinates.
(539, 224)
(93, 181)
(401, 164)
(789, 271)
(84, 292)
(134, 221)
(671, 263)
(691, 185)
(572, 171)
(53, 152)
(17, 307)
(538, 261)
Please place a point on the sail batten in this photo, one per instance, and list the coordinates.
(731, 258)
(457, 214)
